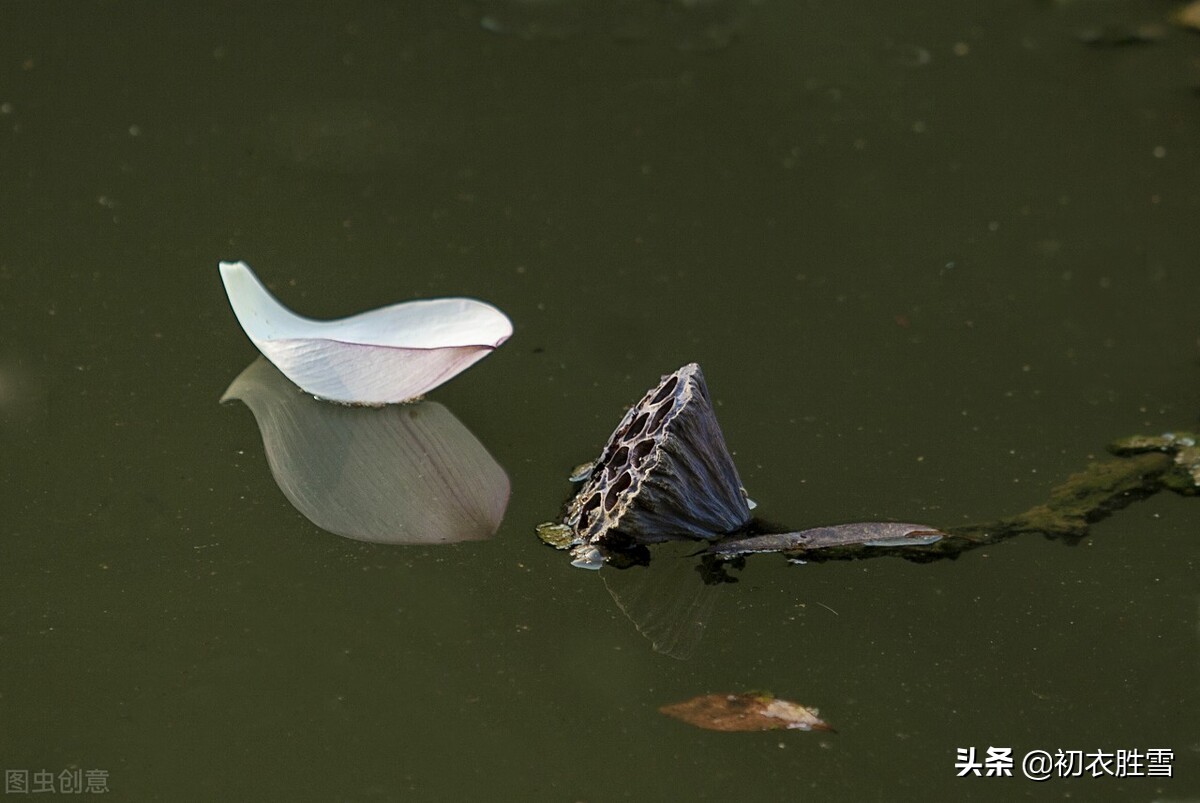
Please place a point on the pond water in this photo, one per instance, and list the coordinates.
(932, 258)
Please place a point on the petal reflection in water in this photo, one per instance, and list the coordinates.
(411, 474)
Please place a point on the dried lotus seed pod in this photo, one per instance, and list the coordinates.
(665, 473)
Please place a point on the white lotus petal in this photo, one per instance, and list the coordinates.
(387, 355)
(398, 475)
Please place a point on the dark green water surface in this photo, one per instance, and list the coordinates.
(931, 256)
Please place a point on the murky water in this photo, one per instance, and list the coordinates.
(931, 258)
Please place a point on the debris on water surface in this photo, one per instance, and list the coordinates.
(665, 474)
(559, 536)
(582, 472)
(753, 711)
(864, 533)
(1121, 35)
(1166, 442)
(1188, 16)
(1185, 478)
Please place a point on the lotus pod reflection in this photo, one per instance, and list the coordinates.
(664, 474)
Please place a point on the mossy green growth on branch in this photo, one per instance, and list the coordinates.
(1184, 476)
(1143, 466)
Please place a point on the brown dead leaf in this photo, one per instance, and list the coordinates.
(745, 712)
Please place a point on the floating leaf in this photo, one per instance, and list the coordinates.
(387, 355)
(745, 712)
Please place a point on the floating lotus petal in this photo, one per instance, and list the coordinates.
(745, 712)
(387, 355)
(865, 533)
(664, 474)
(397, 475)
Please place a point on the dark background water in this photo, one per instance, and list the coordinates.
(931, 257)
